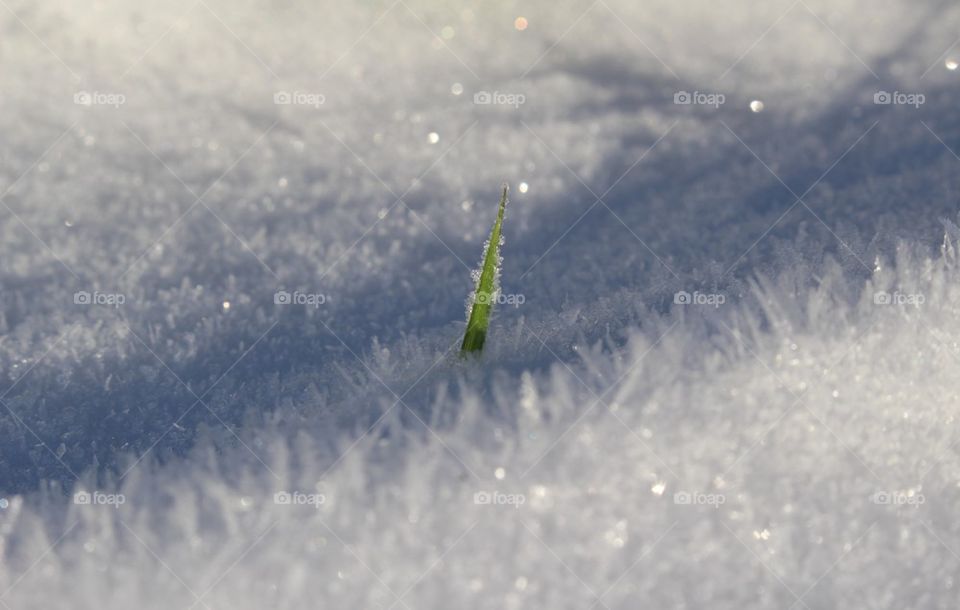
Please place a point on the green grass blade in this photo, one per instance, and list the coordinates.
(482, 302)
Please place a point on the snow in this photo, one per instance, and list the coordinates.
(236, 238)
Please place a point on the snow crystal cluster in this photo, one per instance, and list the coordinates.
(234, 243)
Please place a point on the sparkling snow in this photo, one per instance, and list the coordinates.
(235, 241)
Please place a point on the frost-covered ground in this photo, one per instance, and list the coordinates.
(786, 439)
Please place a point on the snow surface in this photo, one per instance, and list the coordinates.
(793, 446)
